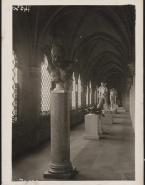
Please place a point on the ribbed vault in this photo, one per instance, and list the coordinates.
(99, 38)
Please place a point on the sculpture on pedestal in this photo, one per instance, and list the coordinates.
(60, 69)
(93, 110)
(103, 95)
(113, 97)
(61, 73)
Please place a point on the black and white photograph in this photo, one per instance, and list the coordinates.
(74, 92)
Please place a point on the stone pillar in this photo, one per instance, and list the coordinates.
(84, 96)
(97, 94)
(90, 96)
(60, 165)
(76, 93)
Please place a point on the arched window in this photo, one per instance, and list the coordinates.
(14, 88)
(79, 92)
(90, 91)
(74, 93)
(87, 96)
(45, 88)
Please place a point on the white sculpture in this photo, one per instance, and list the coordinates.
(103, 95)
(113, 97)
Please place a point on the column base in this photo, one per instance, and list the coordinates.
(70, 175)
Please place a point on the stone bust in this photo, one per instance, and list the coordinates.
(60, 69)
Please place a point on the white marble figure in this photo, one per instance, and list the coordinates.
(103, 95)
(113, 97)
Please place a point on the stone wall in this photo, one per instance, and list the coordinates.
(30, 133)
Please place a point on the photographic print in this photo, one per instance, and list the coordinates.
(72, 93)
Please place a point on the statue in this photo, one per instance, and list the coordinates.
(113, 97)
(103, 95)
(60, 69)
(93, 110)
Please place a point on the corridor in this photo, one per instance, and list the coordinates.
(112, 157)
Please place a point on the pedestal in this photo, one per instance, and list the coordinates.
(100, 125)
(60, 165)
(91, 126)
(114, 111)
(115, 106)
(108, 119)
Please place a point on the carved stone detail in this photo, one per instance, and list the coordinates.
(132, 68)
(60, 69)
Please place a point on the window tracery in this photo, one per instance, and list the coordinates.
(45, 88)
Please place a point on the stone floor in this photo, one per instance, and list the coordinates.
(112, 157)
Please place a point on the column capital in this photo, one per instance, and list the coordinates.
(34, 72)
(132, 68)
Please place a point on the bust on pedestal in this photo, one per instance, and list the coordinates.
(61, 73)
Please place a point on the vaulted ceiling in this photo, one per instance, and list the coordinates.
(101, 39)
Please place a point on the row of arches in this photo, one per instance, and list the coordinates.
(77, 90)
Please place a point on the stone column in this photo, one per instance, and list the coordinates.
(96, 95)
(90, 96)
(84, 97)
(76, 93)
(60, 165)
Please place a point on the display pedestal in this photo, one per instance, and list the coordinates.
(91, 126)
(60, 165)
(100, 125)
(115, 106)
(108, 119)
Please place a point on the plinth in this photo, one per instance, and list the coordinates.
(115, 106)
(91, 126)
(100, 125)
(60, 165)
